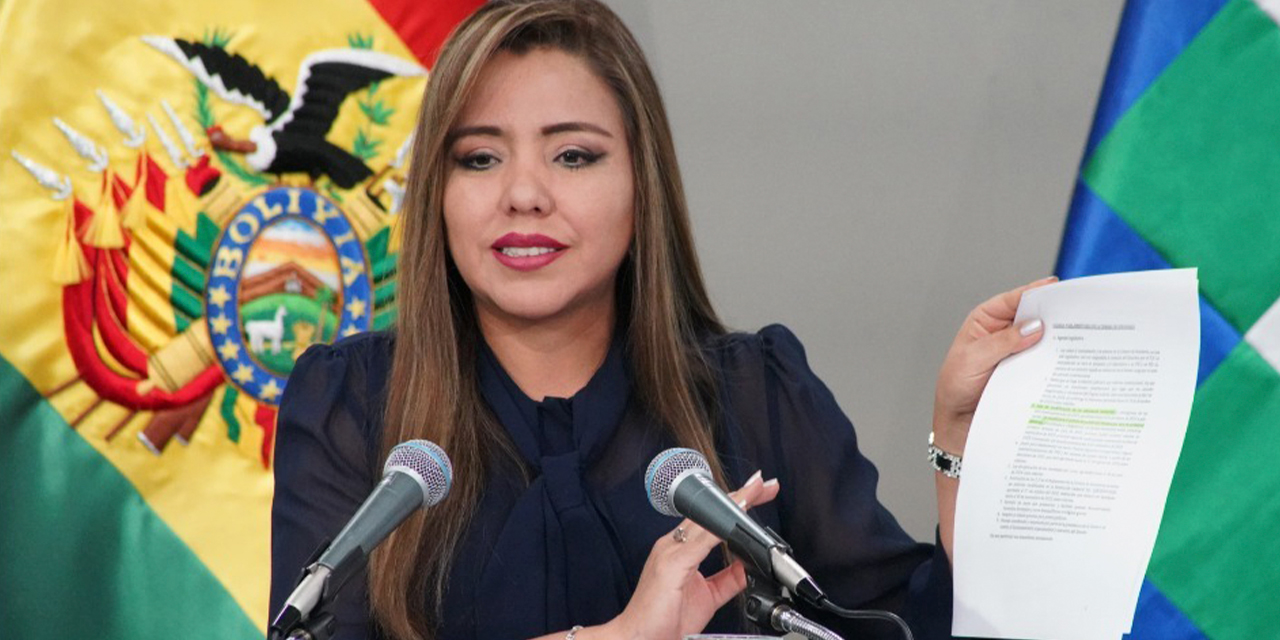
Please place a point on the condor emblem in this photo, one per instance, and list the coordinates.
(211, 250)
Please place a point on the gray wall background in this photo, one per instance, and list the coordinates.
(866, 172)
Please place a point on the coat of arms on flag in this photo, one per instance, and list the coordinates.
(191, 197)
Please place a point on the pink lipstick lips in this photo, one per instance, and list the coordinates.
(527, 252)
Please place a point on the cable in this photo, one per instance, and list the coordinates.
(867, 614)
(788, 621)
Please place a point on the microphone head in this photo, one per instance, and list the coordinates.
(425, 462)
(663, 472)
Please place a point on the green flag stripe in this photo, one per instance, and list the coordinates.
(384, 295)
(1212, 559)
(228, 412)
(187, 275)
(185, 304)
(81, 553)
(1192, 165)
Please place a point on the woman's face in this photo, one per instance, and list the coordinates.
(539, 197)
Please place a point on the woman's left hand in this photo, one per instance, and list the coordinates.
(987, 336)
(673, 599)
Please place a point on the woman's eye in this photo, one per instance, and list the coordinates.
(477, 161)
(577, 158)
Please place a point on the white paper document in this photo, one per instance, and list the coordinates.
(1070, 456)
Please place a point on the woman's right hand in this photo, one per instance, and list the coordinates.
(673, 599)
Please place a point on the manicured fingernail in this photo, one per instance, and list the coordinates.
(755, 477)
(771, 483)
(1031, 327)
(742, 504)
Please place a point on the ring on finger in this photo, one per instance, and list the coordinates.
(680, 535)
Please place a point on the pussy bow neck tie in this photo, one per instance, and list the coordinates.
(556, 542)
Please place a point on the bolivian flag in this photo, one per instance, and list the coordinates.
(191, 194)
(1182, 169)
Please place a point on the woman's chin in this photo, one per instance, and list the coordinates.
(529, 309)
(532, 309)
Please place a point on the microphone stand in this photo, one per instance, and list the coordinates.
(770, 607)
(317, 627)
(319, 623)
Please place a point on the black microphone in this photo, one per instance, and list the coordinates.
(679, 483)
(417, 473)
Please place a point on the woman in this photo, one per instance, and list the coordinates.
(554, 334)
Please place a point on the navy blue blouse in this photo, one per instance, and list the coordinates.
(567, 546)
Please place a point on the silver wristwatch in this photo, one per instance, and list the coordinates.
(947, 463)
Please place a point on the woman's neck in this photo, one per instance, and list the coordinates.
(554, 357)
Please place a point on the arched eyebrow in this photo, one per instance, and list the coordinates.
(549, 130)
(574, 126)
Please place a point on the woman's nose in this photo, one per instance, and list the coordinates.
(527, 189)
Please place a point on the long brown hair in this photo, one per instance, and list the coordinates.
(663, 306)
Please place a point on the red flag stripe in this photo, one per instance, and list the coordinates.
(108, 384)
(265, 416)
(423, 31)
(111, 327)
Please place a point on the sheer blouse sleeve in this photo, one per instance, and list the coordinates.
(828, 508)
(325, 464)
